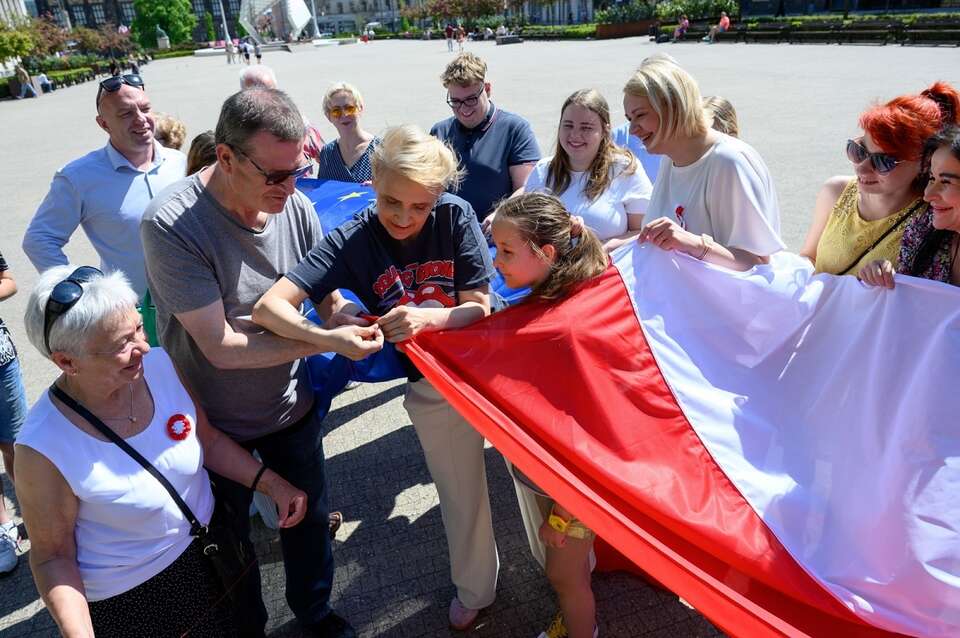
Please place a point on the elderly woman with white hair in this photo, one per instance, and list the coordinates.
(347, 158)
(714, 197)
(112, 552)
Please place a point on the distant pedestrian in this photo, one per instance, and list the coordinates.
(461, 36)
(25, 85)
(245, 50)
(449, 33)
(231, 52)
(681, 29)
(45, 84)
(258, 52)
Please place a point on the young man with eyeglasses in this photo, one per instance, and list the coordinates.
(214, 243)
(107, 190)
(497, 148)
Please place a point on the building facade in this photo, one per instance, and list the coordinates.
(87, 13)
(11, 11)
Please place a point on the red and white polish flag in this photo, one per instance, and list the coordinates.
(779, 448)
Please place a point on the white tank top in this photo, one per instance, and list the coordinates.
(128, 527)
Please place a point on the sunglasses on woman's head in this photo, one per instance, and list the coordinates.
(340, 111)
(113, 84)
(881, 162)
(65, 296)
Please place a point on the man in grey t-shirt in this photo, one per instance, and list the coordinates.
(214, 243)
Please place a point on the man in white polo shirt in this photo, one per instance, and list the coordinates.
(107, 190)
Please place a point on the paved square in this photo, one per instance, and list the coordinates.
(797, 106)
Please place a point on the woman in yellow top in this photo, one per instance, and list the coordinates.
(860, 219)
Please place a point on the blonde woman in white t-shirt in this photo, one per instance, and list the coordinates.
(595, 179)
(714, 198)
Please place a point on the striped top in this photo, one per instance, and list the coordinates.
(332, 166)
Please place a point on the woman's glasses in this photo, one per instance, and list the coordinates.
(881, 162)
(339, 111)
(64, 296)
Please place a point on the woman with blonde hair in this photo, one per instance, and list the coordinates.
(721, 115)
(714, 198)
(346, 158)
(169, 131)
(594, 178)
(418, 261)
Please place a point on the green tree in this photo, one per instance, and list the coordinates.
(176, 17)
(48, 37)
(88, 40)
(208, 25)
(114, 42)
(15, 41)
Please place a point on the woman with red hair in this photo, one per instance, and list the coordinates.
(858, 220)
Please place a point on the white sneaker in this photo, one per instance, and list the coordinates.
(9, 541)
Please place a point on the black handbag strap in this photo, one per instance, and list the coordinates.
(196, 527)
(883, 236)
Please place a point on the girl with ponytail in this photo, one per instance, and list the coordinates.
(860, 219)
(540, 245)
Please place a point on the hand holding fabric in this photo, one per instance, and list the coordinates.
(354, 342)
(667, 234)
(878, 273)
(403, 322)
(291, 502)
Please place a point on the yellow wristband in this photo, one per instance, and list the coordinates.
(557, 522)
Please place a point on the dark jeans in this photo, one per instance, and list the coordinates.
(296, 454)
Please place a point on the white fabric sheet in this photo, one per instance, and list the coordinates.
(833, 408)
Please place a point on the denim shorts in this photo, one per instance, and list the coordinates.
(13, 401)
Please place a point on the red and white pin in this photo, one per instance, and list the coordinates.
(179, 426)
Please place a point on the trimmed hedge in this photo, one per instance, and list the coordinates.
(559, 32)
(63, 63)
(71, 76)
(906, 18)
(164, 55)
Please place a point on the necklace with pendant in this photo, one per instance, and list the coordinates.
(130, 417)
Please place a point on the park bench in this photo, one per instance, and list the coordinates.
(549, 34)
(816, 32)
(867, 33)
(768, 33)
(733, 34)
(932, 33)
(695, 33)
(509, 39)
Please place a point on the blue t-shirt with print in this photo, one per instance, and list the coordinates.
(487, 151)
(448, 255)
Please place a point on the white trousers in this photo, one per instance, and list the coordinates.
(454, 454)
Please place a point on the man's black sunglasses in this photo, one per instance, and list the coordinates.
(276, 177)
(113, 84)
(64, 296)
